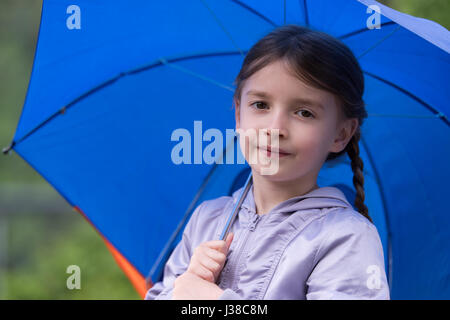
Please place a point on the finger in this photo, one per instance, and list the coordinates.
(215, 244)
(225, 245)
(214, 254)
(199, 270)
(209, 263)
(228, 240)
(205, 273)
(202, 260)
(203, 250)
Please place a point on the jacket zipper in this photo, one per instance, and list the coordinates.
(241, 248)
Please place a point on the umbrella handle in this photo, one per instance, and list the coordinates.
(237, 207)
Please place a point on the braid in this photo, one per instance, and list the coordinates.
(358, 177)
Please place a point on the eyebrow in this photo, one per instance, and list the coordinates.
(265, 95)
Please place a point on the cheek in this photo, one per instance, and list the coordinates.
(247, 120)
(250, 125)
(312, 141)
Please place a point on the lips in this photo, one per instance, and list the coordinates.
(275, 150)
(279, 150)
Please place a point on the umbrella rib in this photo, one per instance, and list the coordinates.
(305, 6)
(255, 12)
(437, 114)
(378, 42)
(195, 74)
(350, 34)
(221, 25)
(157, 63)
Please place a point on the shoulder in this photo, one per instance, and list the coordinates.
(348, 221)
(349, 229)
(349, 262)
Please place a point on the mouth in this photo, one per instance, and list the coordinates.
(276, 152)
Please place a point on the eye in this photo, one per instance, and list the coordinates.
(308, 114)
(259, 105)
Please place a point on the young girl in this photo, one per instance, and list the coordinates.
(291, 239)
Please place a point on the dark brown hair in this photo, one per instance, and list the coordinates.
(323, 62)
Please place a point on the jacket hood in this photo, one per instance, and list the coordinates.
(324, 197)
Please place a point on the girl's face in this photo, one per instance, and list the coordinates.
(309, 122)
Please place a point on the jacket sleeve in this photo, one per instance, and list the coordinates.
(349, 263)
(177, 263)
(229, 294)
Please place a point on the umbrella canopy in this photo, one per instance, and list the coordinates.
(117, 85)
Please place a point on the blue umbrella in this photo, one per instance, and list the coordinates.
(118, 87)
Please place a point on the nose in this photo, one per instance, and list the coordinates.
(278, 121)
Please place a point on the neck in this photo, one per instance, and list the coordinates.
(267, 193)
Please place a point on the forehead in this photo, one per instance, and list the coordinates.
(276, 81)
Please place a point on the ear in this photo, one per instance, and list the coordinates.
(344, 134)
(237, 114)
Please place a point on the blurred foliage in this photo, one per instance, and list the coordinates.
(436, 10)
(41, 247)
(19, 24)
(37, 264)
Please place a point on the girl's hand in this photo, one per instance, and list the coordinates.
(209, 258)
(188, 286)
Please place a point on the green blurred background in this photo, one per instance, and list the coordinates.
(40, 234)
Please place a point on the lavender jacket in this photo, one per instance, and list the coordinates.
(314, 246)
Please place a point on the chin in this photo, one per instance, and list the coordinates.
(271, 174)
